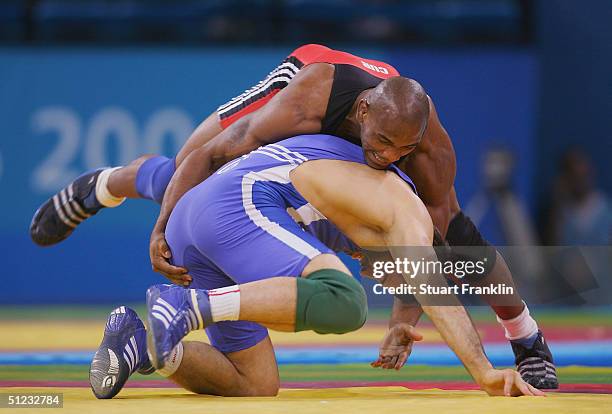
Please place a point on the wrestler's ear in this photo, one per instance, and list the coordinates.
(362, 109)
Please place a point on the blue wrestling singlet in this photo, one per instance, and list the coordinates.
(247, 222)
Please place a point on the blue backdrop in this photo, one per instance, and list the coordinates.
(576, 57)
(66, 110)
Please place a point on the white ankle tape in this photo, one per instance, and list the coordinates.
(225, 303)
(172, 363)
(102, 194)
(523, 326)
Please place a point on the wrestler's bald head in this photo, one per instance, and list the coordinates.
(393, 119)
(404, 99)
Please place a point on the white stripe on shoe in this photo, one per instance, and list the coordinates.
(193, 319)
(60, 213)
(168, 306)
(68, 208)
(129, 357)
(196, 308)
(162, 318)
(74, 204)
(163, 311)
(135, 348)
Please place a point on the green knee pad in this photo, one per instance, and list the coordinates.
(330, 301)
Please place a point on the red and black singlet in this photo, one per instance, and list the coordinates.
(352, 76)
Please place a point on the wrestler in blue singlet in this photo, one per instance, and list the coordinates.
(247, 222)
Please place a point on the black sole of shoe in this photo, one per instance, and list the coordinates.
(105, 381)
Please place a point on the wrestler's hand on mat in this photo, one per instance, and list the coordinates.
(396, 346)
(507, 382)
(160, 254)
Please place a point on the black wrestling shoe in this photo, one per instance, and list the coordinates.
(536, 364)
(57, 218)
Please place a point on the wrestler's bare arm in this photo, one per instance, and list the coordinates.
(366, 214)
(296, 109)
(432, 167)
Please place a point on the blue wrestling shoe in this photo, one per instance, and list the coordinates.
(122, 352)
(535, 364)
(173, 312)
(57, 218)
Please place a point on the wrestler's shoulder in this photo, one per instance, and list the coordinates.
(311, 87)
